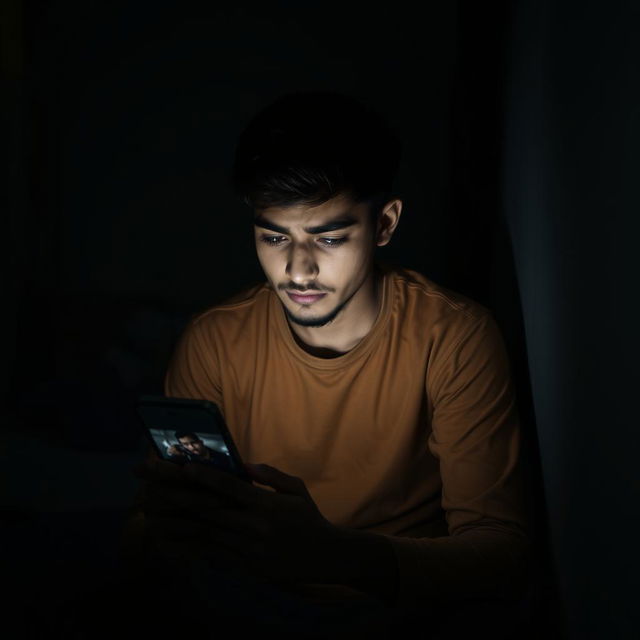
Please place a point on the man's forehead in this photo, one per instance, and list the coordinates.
(314, 219)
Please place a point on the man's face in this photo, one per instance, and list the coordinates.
(326, 249)
(193, 445)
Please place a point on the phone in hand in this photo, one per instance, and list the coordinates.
(183, 430)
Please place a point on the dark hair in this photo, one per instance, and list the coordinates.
(311, 146)
(182, 433)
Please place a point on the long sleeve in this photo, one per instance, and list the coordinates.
(476, 438)
(193, 371)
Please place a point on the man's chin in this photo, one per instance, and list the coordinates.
(312, 321)
(316, 321)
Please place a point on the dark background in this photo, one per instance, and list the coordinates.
(520, 184)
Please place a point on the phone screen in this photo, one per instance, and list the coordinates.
(183, 430)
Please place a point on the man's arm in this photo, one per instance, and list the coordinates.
(476, 437)
(194, 368)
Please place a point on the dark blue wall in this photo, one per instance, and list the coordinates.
(571, 167)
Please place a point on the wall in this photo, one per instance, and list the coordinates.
(571, 200)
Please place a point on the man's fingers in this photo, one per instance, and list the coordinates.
(279, 480)
(224, 483)
(206, 478)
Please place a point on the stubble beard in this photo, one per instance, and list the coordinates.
(322, 321)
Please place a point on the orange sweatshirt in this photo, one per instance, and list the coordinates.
(413, 434)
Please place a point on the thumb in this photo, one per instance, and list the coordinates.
(279, 480)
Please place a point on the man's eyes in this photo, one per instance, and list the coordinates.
(274, 241)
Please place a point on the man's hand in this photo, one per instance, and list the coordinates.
(202, 512)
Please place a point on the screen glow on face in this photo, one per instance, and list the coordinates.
(327, 249)
(329, 242)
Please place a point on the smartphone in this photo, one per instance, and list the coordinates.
(183, 430)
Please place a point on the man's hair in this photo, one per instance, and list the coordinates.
(183, 434)
(310, 146)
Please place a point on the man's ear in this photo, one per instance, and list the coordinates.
(388, 221)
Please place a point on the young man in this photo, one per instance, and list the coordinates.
(379, 403)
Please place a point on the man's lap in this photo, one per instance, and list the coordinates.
(157, 602)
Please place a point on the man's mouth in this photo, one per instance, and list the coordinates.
(305, 298)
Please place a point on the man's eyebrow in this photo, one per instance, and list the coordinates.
(339, 223)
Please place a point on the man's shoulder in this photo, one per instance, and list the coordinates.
(442, 321)
(235, 312)
(429, 303)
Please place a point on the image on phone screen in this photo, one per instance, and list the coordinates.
(184, 445)
(183, 430)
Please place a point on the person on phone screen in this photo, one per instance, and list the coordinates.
(366, 387)
(190, 447)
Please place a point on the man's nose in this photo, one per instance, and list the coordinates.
(301, 264)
